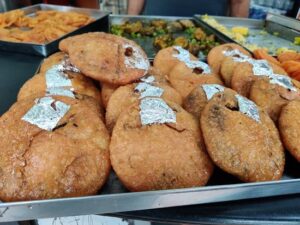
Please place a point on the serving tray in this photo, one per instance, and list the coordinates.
(273, 33)
(100, 24)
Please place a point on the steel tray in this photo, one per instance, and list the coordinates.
(147, 42)
(100, 24)
(279, 25)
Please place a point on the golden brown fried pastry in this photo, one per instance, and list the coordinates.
(71, 160)
(226, 70)
(246, 147)
(125, 96)
(81, 85)
(197, 99)
(52, 60)
(289, 124)
(185, 79)
(216, 56)
(108, 89)
(165, 59)
(271, 97)
(107, 58)
(158, 156)
(243, 77)
(106, 92)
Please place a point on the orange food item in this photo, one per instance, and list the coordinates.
(43, 27)
(292, 68)
(289, 55)
(263, 54)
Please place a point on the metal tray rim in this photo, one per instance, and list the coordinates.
(131, 201)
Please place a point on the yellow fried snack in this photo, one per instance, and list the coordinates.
(44, 27)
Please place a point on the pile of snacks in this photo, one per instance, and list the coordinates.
(43, 27)
(162, 127)
(184, 33)
(254, 38)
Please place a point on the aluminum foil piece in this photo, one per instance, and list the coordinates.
(136, 59)
(60, 91)
(148, 90)
(56, 78)
(212, 89)
(156, 111)
(283, 81)
(261, 68)
(248, 108)
(66, 65)
(46, 113)
(237, 55)
(148, 79)
(184, 56)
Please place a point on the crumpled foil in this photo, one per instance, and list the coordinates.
(148, 79)
(136, 60)
(66, 65)
(234, 53)
(148, 90)
(248, 108)
(156, 111)
(211, 89)
(57, 78)
(283, 81)
(261, 68)
(184, 56)
(46, 113)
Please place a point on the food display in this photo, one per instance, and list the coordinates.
(163, 33)
(40, 28)
(98, 112)
(50, 149)
(255, 34)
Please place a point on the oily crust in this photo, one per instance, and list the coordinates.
(164, 60)
(271, 97)
(160, 156)
(72, 160)
(243, 77)
(184, 79)
(81, 85)
(238, 144)
(125, 96)
(105, 57)
(289, 123)
(215, 56)
(52, 60)
(195, 102)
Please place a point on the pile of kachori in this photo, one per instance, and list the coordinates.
(98, 103)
